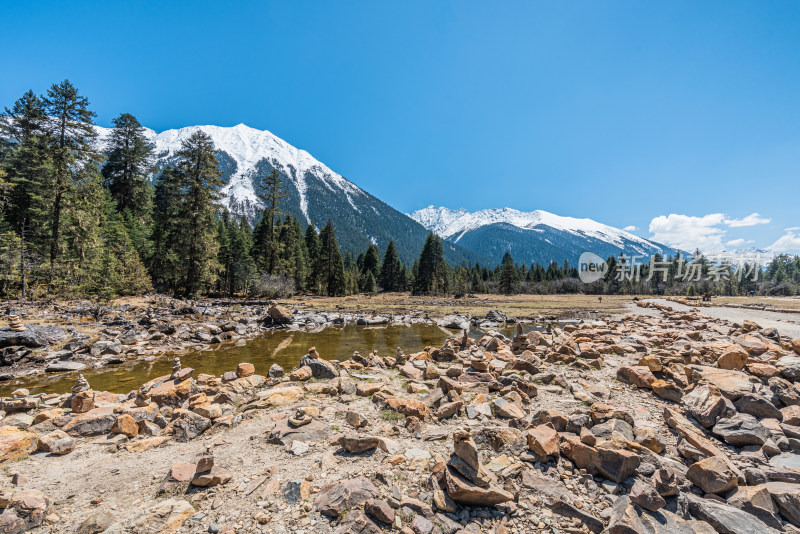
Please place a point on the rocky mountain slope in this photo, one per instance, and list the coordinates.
(532, 237)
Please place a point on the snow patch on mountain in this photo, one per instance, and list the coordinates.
(453, 224)
(247, 147)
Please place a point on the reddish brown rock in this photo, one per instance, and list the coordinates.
(244, 370)
(82, 402)
(125, 425)
(712, 475)
(408, 407)
(15, 443)
(301, 374)
(638, 375)
(543, 441)
(735, 357)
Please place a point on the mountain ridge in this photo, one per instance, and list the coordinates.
(534, 237)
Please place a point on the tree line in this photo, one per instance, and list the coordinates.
(78, 219)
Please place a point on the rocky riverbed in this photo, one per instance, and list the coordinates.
(672, 421)
(75, 336)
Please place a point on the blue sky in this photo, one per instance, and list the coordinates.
(678, 118)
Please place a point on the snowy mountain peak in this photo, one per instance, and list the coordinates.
(453, 224)
(248, 148)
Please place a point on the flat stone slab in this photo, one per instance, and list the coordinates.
(33, 336)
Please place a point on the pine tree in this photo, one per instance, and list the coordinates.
(431, 274)
(199, 179)
(331, 264)
(271, 194)
(164, 265)
(128, 165)
(370, 269)
(391, 275)
(70, 143)
(28, 167)
(508, 274)
(314, 270)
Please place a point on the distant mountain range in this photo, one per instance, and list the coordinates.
(533, 237)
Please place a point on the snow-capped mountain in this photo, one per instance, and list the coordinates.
(315, 193)
(535, 236)
(248, 150)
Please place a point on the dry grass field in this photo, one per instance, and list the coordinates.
(521, 306)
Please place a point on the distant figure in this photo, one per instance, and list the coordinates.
(600, 299)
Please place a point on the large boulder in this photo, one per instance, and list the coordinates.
(32, 336)
(166, 391)
(726, 518)
(320, 369)
(626, 518)
(637, 375)
(741, 430)
(712, 475)
(95, 422)
(732, 384)
(758, 406)
(787, 498)
(279, 315)
(706, 404)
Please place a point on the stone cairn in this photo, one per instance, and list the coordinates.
(399, 357)
(176, 367)
(81, 385)
(82, 396)
(313, 352)
(301, 417)
(142, 397)
(14, 324)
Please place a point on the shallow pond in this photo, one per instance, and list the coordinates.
(280, 346)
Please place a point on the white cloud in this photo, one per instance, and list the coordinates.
(751, 220)
(689, 233)
(789, 242)
(737, 242)
(630, 228)
(792, 229)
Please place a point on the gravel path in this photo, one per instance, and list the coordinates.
(786, 323)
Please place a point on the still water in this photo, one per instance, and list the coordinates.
(282, 347)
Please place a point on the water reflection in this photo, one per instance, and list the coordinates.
(282, 347)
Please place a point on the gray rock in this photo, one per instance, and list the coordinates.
(64, 366)
(789, 367)
(741, 430)
(32, 336)
(344, 495)
(320, 369)
(604, 430)
(726, 519)
(190, 425)
(454, 322)
(757, 406)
